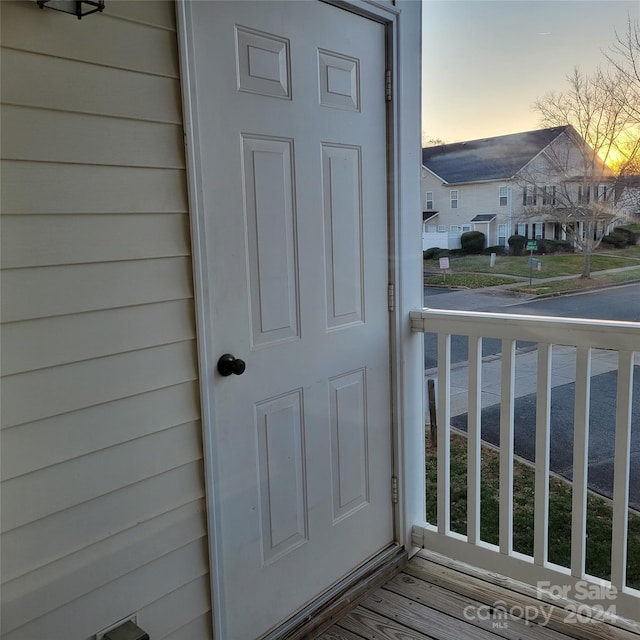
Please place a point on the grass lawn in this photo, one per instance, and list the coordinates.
(551, 265)
(599, 512)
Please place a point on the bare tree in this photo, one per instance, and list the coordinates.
(571, 183)
(624, 56)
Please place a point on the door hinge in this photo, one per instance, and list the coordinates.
(394, 490)
(388, 90)
(391, 296)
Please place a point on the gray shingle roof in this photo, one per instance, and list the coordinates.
(498, 158)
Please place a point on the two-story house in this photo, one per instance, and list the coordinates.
(509, 185)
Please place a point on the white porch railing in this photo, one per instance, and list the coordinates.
(612, 596)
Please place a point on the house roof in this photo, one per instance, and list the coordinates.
(484, 217)
(427, 215)
(498, 158)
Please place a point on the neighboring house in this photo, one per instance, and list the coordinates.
(503, 185)
(631, 195)
(136, 479)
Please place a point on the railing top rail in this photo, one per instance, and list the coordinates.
(579, 332)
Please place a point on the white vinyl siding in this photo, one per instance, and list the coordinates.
(103, 500)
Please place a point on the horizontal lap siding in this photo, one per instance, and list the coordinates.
(103, 505)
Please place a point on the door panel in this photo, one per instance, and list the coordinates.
(292, 141)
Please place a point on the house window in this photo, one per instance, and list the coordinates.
(584, 193)
(432, 228)
(456, 230)
(454, 198)
(442, 228)
(548, 195)
(502, 235)
(602, 192)
(465, 227)
(538, 230)
(503, 196)
(429, 200)
(521, 229)
(529, 195)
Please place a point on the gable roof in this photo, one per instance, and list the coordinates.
(498, 158)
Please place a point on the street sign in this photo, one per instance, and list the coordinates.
(444, 263)
(532, 245)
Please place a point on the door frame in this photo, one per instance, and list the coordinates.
(405, 268)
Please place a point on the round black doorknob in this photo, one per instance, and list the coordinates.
(229, 364)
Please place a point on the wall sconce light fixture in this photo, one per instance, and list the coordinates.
(76, 8)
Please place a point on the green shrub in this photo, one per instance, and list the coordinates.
(472, 242)
(544, 247)
(555, 246)
(629, 234)
(516, 245)
(564, 246)
(498, 249)
(615, 239)
(431, 253)
(435, 252)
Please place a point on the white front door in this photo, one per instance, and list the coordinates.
(292, 143)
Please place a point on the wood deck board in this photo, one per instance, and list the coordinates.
(424, 603)
(452, 604)
(422, 618)
(373, 626)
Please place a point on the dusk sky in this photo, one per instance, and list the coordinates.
(485, 62)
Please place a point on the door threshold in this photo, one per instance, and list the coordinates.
(334, 603)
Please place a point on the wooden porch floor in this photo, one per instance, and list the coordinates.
(428, 601)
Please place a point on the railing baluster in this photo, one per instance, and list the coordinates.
(621, 470)
(506, 445)
(580, 461)
(473, 439)
(444, 433)
(543, 424)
